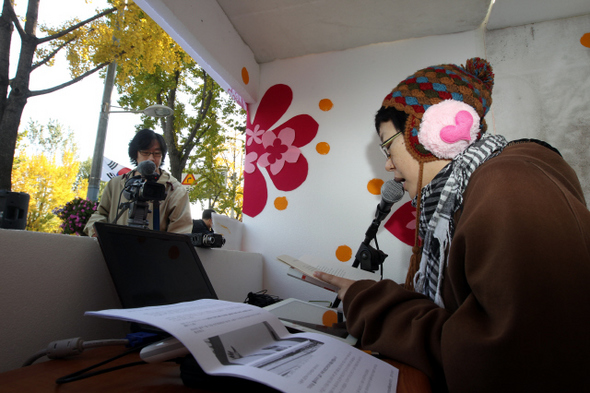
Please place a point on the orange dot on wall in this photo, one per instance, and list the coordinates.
(329, 318)
(585, 40)
(281, 203)
(374, 186)
(343, 253)
(245, 76)
(322, 148)
(326, 104)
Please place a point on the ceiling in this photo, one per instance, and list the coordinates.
(231, 39)
(278, 29)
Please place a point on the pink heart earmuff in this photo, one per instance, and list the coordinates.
(448, 128)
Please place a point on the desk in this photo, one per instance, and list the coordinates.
(159, 377)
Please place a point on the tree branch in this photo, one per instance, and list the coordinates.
(205, 104)
(15, 20)
(51, 55)
(66, 84)
(76, 26)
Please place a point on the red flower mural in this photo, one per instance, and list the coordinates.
(275, 150)
(402, 223)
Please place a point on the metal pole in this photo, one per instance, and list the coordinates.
(101, 134)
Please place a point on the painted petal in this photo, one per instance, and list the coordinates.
(277, 166)
(291, 176)
(268, 139)
(273, 106)
(292, 154)
(400, 223)
(306, 128)
(287, 136)
(250, 162)
(263, 160)
(255, 193)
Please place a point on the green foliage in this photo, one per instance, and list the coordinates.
(84, 173)
(38, 138)
(197, 134)
(220, 177)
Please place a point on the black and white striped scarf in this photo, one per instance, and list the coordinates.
(440, 200)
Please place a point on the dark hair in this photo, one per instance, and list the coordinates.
(397, 117)
(142, 140)
(207, 214)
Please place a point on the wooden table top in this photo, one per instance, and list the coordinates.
(158, 377)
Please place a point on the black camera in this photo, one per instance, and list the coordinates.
(139, 192)
(138, 189)
(207, 239)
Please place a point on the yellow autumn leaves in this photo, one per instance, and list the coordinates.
(127, 36)
(48, 175)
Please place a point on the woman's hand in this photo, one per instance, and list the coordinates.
(342, 283)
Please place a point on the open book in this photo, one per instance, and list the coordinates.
(245, 341)
(304, 267)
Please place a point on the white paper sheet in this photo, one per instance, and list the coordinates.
(237, 339)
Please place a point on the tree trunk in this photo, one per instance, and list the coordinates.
(8, 133)
(6, 29)
(174, 154)
(19, 93)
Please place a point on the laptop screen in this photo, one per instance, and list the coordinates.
(152, 268)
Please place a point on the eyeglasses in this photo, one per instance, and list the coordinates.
(387, 144)
(146, 153)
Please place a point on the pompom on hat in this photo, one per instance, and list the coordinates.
(446, 106)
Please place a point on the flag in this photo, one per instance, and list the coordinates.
(111, 169)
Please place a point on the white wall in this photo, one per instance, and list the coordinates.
(49, 280)
(333, 207)
(542, 90)
(543, 87)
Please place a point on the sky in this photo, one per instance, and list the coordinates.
(77, 107)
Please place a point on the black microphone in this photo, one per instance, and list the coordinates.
(391, 192)
(146, 168)
(368, 257)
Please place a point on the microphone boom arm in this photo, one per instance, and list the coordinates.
(368, 257)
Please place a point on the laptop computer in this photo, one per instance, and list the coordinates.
(153, 268)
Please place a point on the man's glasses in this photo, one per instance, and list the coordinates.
(146, 153)
(387, 144)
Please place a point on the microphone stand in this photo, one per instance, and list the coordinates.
(138, 212)
(156, 216)
(368, 257)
